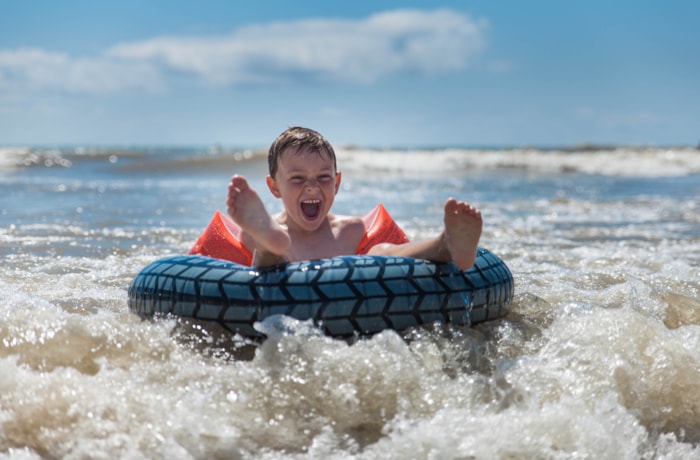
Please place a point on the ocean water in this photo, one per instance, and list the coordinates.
(598, 358)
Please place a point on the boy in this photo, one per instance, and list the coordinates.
(304, 175)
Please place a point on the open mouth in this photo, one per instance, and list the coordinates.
(311, 208)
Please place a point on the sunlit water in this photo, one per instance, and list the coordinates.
(599, 357)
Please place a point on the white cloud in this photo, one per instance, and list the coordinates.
(359, 51)
(30, 68)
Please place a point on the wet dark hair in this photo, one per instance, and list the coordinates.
(298, 139)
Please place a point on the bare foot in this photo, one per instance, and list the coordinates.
(463, 224)
(247, 209)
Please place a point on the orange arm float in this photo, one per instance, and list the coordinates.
(220, 240)
(380, 228)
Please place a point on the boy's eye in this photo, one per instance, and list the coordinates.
(325, 178)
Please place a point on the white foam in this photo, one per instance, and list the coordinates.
(12, 157)
(626, 162)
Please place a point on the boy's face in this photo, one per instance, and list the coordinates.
(307, 182)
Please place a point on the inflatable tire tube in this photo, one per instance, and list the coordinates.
(344, 295)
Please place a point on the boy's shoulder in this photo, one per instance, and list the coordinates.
(347, 227)
(343, 221)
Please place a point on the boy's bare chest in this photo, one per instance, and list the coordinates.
(320, 246)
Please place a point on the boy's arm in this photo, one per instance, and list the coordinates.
(432, 249)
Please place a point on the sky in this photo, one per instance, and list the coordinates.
(368, 73)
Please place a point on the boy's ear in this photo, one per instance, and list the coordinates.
(337, 181)
(272, 185)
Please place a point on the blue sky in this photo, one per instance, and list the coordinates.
(376, 73)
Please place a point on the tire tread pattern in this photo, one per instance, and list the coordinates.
(344, 295)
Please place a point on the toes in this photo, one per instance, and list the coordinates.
(471, 210)
(239, 183)
(451, 206)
